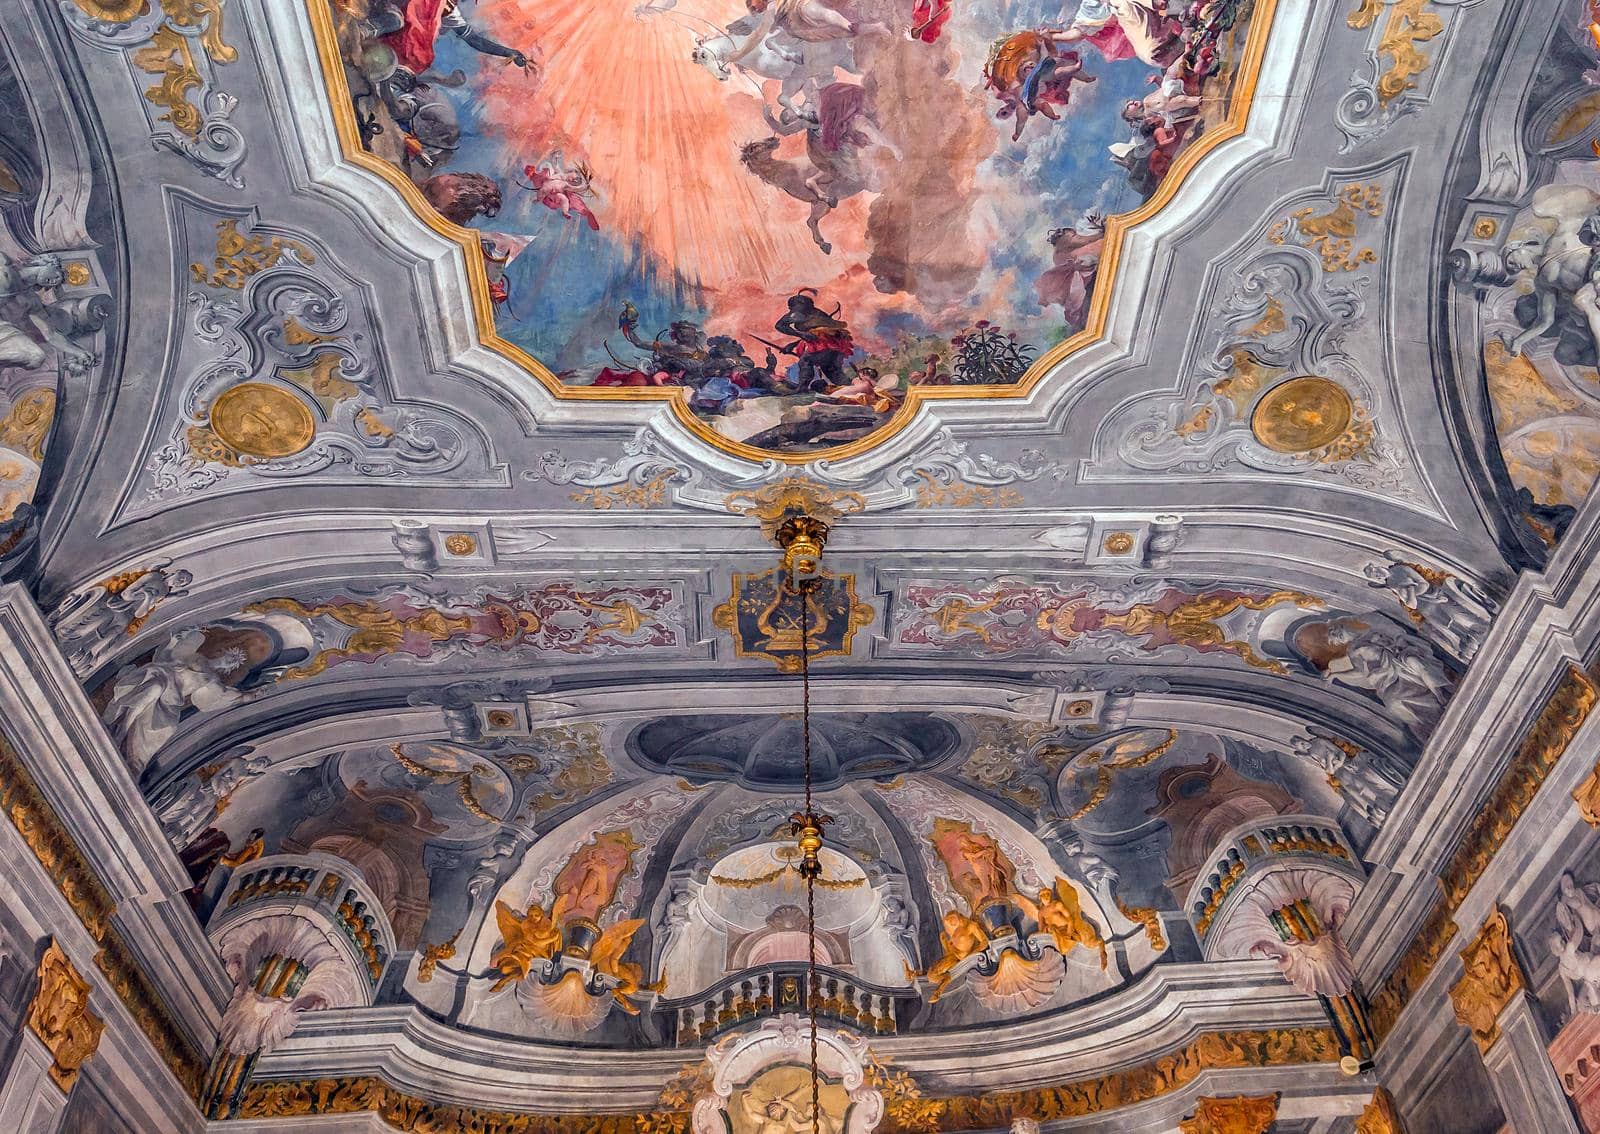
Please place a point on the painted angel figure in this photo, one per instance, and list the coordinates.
(606, 958)
(1060, 914)
(562, 187)
(525, 939)
(1577, 919)
(1452, 610)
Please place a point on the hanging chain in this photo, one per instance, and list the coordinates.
(810, 876)
(802, 538)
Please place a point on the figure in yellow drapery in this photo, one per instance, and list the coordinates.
(1060, 914)
(524, 939)
(606, 957)
(961, 937)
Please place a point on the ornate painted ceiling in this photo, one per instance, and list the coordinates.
(392, 396)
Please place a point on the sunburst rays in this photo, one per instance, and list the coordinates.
(661, 135)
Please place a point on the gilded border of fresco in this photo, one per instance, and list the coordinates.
(907, 1110)
(1559, 719)
(36, 821)
(1117, 229)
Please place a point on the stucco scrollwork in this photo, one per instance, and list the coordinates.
(1273, 383)
(279, 376)
(173, 50)
(1406, 37)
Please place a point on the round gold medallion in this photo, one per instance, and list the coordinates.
(460, 543)
(1302, 415)
(262, 421)
(1118, 543)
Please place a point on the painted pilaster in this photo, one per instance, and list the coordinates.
(1491, 999)
(29, 1102)
(1524, 1078)
(60, 1036)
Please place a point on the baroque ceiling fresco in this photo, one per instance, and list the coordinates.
(397, 398)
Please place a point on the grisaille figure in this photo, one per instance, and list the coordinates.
(91, 623)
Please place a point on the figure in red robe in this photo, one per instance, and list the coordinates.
(411, 28)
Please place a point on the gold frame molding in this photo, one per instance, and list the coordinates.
(1117, 228)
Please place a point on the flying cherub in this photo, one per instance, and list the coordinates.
(606, 957)
(524, 939)
(562, 187)
(1060, 914)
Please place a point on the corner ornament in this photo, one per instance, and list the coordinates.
(1491, 980)
(60, 1016)
(1243, 1114)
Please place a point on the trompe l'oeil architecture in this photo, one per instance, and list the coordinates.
(799, 566)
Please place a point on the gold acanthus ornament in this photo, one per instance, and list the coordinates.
(1491, 980)
(1380, 1116)
(60, 1016)
(772, 504)
(1243, 1114)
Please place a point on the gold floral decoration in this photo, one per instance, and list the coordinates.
(169, 55)
(651, 493)
(1491, 979)
(1242, 1114)
(240, 256)
(1150, 919)
(60, 1016)
(431, 955)
(934, 493)
(1332, 235)
(1408, 26)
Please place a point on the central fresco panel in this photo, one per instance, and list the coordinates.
(798, 217)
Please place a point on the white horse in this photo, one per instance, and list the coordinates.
(756, 45)
(800, 66)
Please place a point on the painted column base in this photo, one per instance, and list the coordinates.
(1531, 1096)
(30, 1101)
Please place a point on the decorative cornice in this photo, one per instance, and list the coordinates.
(1211, 1051)
(1563, 714)
(39, 826)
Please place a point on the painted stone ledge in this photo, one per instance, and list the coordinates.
(907, 1109)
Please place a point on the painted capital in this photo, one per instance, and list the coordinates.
(1243, 1114)
(1587, 795)
(1491, 978)
(60, 1016)
(1380, 1116)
